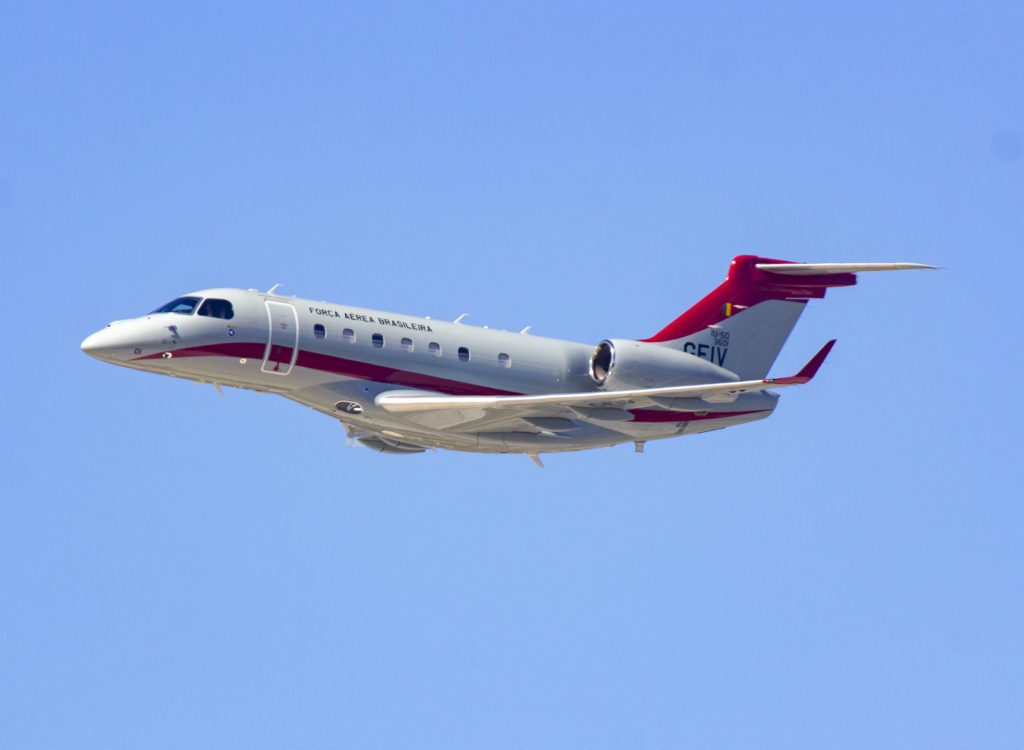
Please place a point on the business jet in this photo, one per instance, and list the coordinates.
(404, 384)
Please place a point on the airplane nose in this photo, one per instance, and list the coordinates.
(101, 345)
(93, 344)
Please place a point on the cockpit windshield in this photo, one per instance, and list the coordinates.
(182, 305)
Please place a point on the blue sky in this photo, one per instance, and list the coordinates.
(180, 569)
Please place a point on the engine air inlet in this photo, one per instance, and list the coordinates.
(601, 362)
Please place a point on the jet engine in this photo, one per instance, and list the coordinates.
(622, 364)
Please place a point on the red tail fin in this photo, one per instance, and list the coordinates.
(746, 286)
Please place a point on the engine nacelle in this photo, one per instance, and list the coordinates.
(621, 364)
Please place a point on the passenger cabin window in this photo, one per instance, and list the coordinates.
(463, 354)
(348, 336)
(319, 331)
(378, 340)
(217, 308)
(181, 305)
(435, 348)
(407, 345)
(504, 360)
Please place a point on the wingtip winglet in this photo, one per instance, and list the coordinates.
(810, 369)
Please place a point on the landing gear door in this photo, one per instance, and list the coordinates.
(283, 338)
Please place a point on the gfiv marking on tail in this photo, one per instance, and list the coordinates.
(714, 354)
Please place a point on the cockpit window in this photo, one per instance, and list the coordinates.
(217, 308)
(182, 305)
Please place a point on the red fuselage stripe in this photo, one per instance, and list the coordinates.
(366, 371)
(338, 366)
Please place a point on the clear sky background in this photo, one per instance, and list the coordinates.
(179, 569)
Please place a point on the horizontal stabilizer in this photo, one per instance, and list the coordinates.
(756, 329)
(816, 269)
(412, 401)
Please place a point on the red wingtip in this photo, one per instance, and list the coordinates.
(810, 369)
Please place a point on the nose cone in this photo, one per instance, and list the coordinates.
(124, 342)
(115, 343)
(100, 345)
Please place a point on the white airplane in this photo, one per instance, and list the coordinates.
(402, 384)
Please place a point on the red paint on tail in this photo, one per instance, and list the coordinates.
(744, 287)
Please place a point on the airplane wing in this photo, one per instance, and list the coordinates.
(418, 401)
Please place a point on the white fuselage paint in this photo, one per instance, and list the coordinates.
(270, 344)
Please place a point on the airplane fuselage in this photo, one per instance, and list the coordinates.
(338, 359)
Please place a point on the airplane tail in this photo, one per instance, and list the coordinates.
(743, 323)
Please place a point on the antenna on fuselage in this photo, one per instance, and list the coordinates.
(458, 320)
(273, 289)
